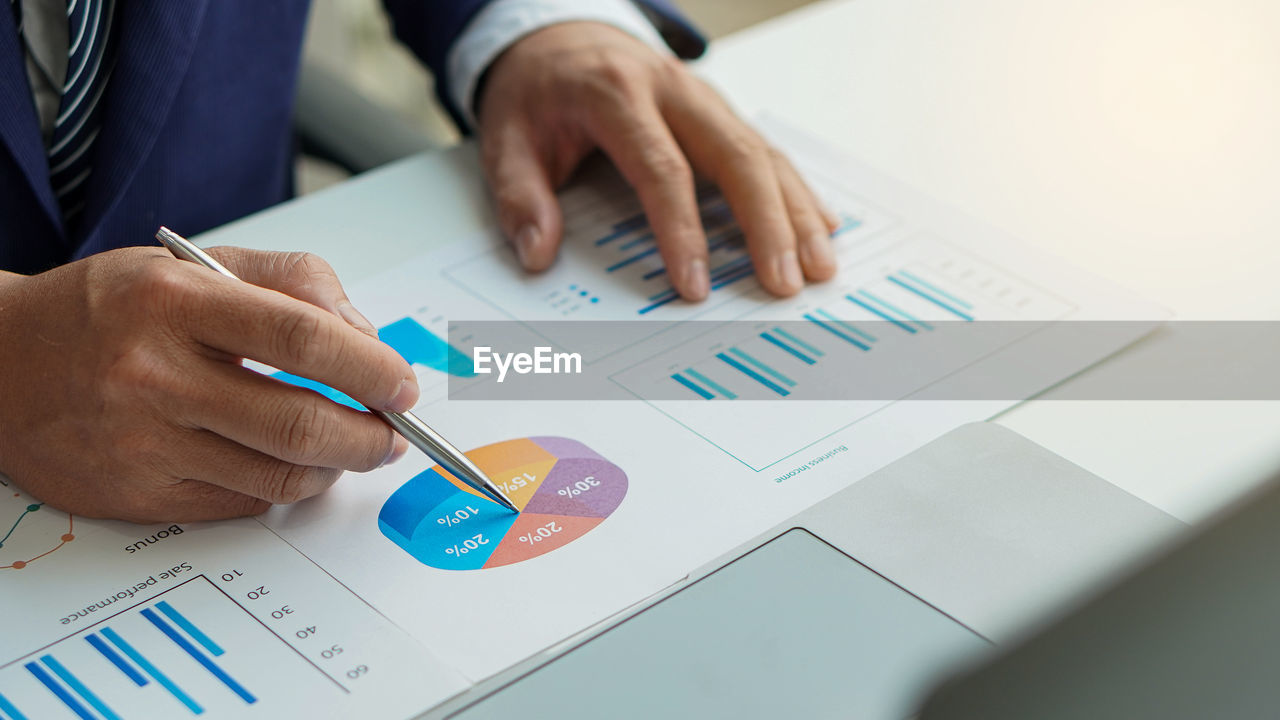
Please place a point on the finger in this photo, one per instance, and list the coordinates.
(740, 163)
(291, 424)
(216, 460)
(635, 137)
(181, 501)
(198, 501)
(813, 233)
(297, 337)
(520, 176)
(302, 275)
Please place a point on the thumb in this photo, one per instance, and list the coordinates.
(299, 275)
(520, 177)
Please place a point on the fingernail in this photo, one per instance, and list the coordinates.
(696, 283)
(406, 397)
(817, 254)
(787, 271)
(355, 319)
(525, 241)
(398, 449)
(832, 219)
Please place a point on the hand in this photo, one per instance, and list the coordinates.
(560, 92)
(122, 393)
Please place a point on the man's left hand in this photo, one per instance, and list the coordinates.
(563, 91)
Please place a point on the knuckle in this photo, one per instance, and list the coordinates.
(615, 69)
(144, 506)
(744, 148)
(285, 484)
(607, 78)
(301, 340)
(301, 432)
(304, 268)
(666, 164)
(376, 452)
(159, 280)
(133, 374)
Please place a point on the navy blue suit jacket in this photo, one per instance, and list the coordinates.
(196, 129)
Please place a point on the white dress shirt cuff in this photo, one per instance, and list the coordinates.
(502, 22)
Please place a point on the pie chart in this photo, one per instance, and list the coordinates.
(563, 488)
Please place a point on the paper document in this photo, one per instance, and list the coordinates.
(399, 588)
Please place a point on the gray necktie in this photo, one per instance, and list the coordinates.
(90, 34)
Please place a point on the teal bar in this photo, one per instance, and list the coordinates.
(812, 350)
(847, 326)
(189, 628)
(912, 276)
(926, 296)
(65, 675)
(762, 366)
(753, 375)
(711, 383)
(692, 386)
(894, 308)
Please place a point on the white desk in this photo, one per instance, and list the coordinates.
(1135, 138)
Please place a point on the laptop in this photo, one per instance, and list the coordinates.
(857, 607)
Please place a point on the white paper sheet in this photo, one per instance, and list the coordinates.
(395, 590)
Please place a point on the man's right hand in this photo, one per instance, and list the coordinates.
(122, 392)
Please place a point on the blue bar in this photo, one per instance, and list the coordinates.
(807, 360)
(635, 222)
(921, 281)
(10, 710)
(60, 691)
(84, 692)
(731, 278)
(762, 366)
(894, 308)
(729, 394)
(664, 293)
(753, 374)
(806, 346)
(725, 268)
(647, 237)
(836, 331)
(194, 652)
(196, 634)
(647, 308)
(638, 256)
(152, 670)
(116, 660)
(847, 326)
(878, 312)
(685, 382)
(958, 313)
(654, 273)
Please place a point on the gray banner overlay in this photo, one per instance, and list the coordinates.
(831, 359)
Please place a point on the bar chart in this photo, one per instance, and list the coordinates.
(610, 266)
(918, 312)
(190, 651)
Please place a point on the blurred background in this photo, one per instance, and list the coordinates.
(352, 40)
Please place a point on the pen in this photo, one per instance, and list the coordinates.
(417, 432)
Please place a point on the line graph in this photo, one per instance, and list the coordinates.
(28, 536)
